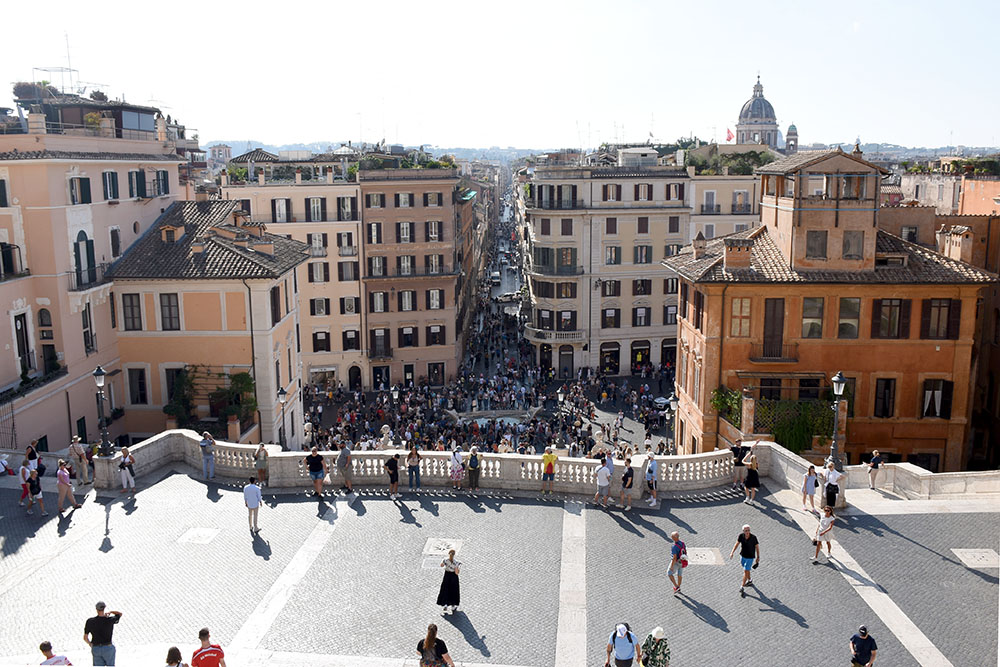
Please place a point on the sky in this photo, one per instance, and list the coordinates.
(536, 74)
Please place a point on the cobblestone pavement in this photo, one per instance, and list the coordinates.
(180, 556)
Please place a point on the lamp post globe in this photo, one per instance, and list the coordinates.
(99, 378)
(839, 382)
(282, 398)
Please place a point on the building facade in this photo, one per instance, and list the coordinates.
(594, 239)
(722, 204)
(938, 189)
(777, 310)
(980, 195)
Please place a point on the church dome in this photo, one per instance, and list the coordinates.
(757, 108)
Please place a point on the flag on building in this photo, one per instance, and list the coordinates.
(729, 134)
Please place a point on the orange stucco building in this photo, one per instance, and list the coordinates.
(818, 288)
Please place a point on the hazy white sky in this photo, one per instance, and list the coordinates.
(534, 74)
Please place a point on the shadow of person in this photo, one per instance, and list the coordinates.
(130, 505)
(777, 606)
(623, 521)
(637, 518)
(704, 613)
(406, 514)
(475, 504)
(261, 547)
(463, 624)
(212, 492)
(355, 504)
(429, 506)
(64, 521)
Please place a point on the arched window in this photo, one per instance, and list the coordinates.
(44, 318)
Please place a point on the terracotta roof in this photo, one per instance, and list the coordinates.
(208, 222)
(768, 265)
(256, 155)
(86, 155)
(797, 161)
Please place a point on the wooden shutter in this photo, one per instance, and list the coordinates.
(669, 191)
(925, 318)
(636, 195)
(444, 335)
(344, 341)
(880, 386)
(954, 319)
(288, 209)
(354, 208)
(399, 234)
(618, 193)
(368, 201)
(84, 190)
(947, 388)
(274, 210)
(649, 192)
(427, 231)
(322, 210)
(308, 210)
(904, 319)
(326, 304)
(635, 317)
(618, 317)
(381, 200)
(428, 336)
(399, 264)
(395, 200)
(680, 191)
(324, 239)
(326, 272)
(427, 294)
(3, 193)
(340, 272)
(425, 199)
(309, 269)
(574, 195)
(876, 316)
(309, 239)
(140, 183)
(312, 307)
(604, 192)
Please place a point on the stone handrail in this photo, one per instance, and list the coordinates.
(498, 471)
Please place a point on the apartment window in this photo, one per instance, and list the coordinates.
(347, 271)
(640, 317)
(565, 260)
(891, 318)
(349, 305)
(407, 264)
(850, 318)
(816, 244)
(404, 200)
(611, 318)
(317, 213)
(674, 224)
(642, 227)
(404, 232)
(684, 300)
(432, 198)
(740, 227)
(940, 193)
(137, 394)
(545, 227)
(435, 335)
(613, 255)
(136, 184)
(611, 288)
(854, 244)
(345, 240)
(642, 287)
(376, 266)
(812, 317)
(611, 192)
(940, 319)
(407, 300)
(319, 272)
(669, 314)
(3, 194)
(567, 290)
(346, 207)
(170, 312)
(936, 400)
(567, 320)
(163, 182)
(566, 225)
(321, 341)
(709, 231)
(434, 263)
(131, 312)
(79, 190)
(116, 242)
(169, 235)
(909, 234)
(885, 397)
(375, 201)
(643, 254)
(611, 226)
(110, 182)
(320, 307)
(699, 309)
(375, 232)
(408, 337)
(671, 249)
(770, 388)
(643, 192)
(351, 340)
(739, 319)
(853, 187)
(280, 210)
(433, 230)
(545, 319)
(379, 302)
(435, 299)
(89, 339)
(544, 289)
(809, 389)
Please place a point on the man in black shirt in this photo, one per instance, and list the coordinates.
(863, 648)
(98, 632)
(739, 470)
(749, 550)
(392, 467)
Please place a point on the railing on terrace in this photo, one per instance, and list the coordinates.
(413, 273)
(549, 270)
(744, 209)
(82, 279)
(317, 251)
(774, 352)
(347, 250)
(560, 205)
(711, 209)
(70, 129)
(33, 383)
(380, 352)
(793, 421)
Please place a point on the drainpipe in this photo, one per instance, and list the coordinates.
(722, 342)
(253, 355)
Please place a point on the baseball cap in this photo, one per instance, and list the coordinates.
(657, 632)
(101, 605)
(863, 630)
(622, 630)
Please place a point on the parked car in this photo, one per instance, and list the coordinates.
(495, 278)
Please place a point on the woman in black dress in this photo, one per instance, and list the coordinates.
(450, 595)
(752, 482)
(433, 652)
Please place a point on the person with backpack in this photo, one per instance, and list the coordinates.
(625, 646)
(474, 465)
(678, 561)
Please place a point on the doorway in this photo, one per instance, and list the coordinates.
(545, 356)
(407, 375)
(640, 355)
(23, 349)
(435, 373)
(774, 327)
(566, 361)
(380, 378)
(354, 378)
(610, 358)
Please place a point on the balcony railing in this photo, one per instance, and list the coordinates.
(71, 129)
(555, 205)
(32, 384)
(347, 250)
(742, 209)
(84, 279)
(317, 251)
(415, 272)
(27, 361)
(380, 352)
(544, 334)
(550, 270)
(710, 209)
(774, 352)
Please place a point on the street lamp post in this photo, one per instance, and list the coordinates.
(282, 397)
(839, 382)
(99, 377)
(672, 403)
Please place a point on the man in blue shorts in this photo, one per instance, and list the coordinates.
(749, 550)
(676, 569)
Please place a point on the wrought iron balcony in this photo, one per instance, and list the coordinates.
(84, 279)
(774, 352)
(710, 209)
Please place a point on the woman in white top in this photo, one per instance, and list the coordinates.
(832, 487)
(824, 532)
(809, 483)
(128, 472)
(457, 469)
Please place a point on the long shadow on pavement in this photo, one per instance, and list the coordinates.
(704, 613)
(777, 606)
(463, 623)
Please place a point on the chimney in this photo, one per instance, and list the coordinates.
(260, 177)
(36, 123)
(225, 176)
(737, 253)
(161, 128)
(699, 246)
(198, 246)
(329, 174)
(266, 248)
(857, 149)
(298, 176)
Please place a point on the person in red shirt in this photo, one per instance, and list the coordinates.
(209, 655)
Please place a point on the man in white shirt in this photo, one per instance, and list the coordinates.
(603, 486)
(50, 658)
(252, 498)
